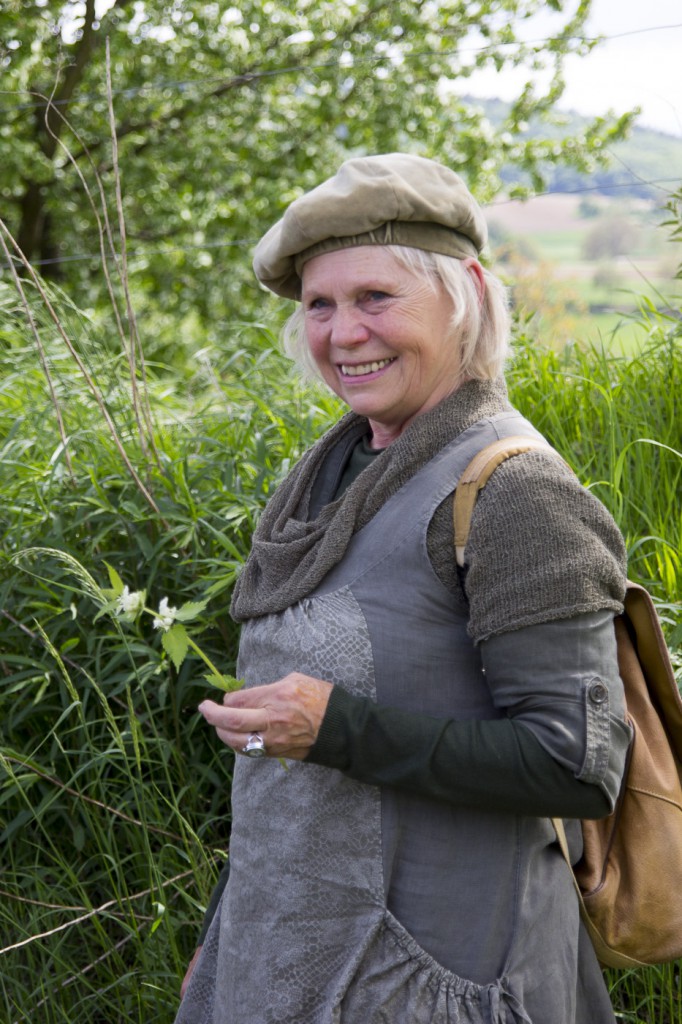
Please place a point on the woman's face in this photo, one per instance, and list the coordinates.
(380, 336)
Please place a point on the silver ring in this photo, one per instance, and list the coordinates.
(255, 747)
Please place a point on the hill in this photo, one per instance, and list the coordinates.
(647, 165)
(580, 265)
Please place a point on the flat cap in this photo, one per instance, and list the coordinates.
(392, 199)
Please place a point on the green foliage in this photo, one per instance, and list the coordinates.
(674, 221)
(644, 164)
(224, 113)
(137, 450)
(114, 801)
(113, 796)
(615, 420)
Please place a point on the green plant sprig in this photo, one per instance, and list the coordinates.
(129, 605)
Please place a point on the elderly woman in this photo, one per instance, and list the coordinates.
(404, 870)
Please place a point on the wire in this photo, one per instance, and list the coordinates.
(657, 182)
(248, 242)
(247, 77)
(142, 253)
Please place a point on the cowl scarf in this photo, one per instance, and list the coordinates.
(290, 555)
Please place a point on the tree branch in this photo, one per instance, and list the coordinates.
(249, 76)
(51, 124)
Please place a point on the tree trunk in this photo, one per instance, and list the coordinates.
(32, 225)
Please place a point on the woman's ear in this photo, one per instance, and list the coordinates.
(475, 270)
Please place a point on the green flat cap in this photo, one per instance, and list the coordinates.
(393, 199)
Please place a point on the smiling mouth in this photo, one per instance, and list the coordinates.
(362, 369)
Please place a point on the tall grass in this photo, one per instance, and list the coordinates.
(114, 800)
(616, 420)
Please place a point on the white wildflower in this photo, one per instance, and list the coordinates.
(130, 604)
(166, 616)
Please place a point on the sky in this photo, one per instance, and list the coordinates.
(639, 66)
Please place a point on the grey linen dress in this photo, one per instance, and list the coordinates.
(353, 904)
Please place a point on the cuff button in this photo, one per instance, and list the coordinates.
(597, 692)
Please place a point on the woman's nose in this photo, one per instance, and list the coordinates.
(348, 327)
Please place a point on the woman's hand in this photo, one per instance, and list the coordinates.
(188, 972)
(286, 714)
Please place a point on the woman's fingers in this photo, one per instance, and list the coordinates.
(287, 714)
(233, 721)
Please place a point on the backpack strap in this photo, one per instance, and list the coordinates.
(475, 477)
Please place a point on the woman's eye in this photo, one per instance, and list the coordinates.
(318, 304)
(377, 296)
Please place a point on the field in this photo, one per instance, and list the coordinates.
(583, 267)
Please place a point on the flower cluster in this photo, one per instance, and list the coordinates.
(129, 603)
(166, 617)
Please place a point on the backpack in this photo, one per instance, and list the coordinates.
(629, 878)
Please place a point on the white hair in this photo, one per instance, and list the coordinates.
(481, 329)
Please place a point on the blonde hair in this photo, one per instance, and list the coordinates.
(481, 329)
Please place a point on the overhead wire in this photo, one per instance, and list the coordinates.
(246, 77)
(245, 243)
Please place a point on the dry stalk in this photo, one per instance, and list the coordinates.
(43, 357)
(89, 967)
(134, 348)
(91, 800)
(38, 903)
(106, 241)
(119, 914)
(87, 376)
(84, 970)
(92, 913)
(104, 232)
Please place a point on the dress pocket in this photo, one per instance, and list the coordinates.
(393, 979)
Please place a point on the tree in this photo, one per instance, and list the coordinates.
(612, 236)
(224, 113)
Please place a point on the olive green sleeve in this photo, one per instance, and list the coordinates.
(495, 765)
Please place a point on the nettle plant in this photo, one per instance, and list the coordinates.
(129, 605)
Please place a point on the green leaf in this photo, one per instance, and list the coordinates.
(159, 910)
(190, 610)
(106, 609)
(227, 683)
(115, 580)
(176, 644)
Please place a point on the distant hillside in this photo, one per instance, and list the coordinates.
(646, 158)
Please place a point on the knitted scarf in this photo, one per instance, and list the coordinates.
(290, 555)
